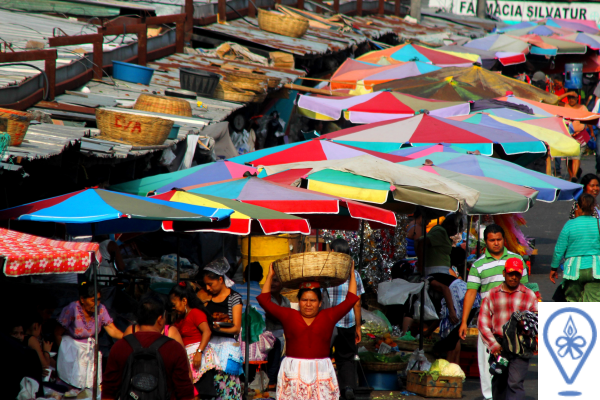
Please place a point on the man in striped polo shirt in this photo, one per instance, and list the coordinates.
(486, 274)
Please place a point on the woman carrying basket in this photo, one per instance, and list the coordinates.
(307, 372)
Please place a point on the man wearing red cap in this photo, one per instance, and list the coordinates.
(496, 310)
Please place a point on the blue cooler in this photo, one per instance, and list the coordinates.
(573, 76)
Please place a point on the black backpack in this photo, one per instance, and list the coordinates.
(144, 376)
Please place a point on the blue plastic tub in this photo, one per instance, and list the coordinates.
(174, 132)
(132, 72)
(382, 380)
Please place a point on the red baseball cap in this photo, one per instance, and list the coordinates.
(514, 265)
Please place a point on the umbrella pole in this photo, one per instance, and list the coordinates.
(247, 317)
(178, 260)
(96, 358)
(362, 243)
(317, 241)
(469, 223)
(422, 307)
(478, 234)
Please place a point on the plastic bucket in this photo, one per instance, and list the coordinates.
(132, 72)
(202, 82)
(382, 380)
(174, 132)
(574, 76)
(266, 249)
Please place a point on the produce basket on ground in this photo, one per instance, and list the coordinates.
(15, 123)
(374, 362)
(226, 91)
(282, 24)
(132, 129)
(424, 384)
(326, 267)
(163, 105)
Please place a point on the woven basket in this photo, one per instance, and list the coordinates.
(15, 123)
(383, 367)
(246, 77)
(259, 97)
(132, 129)
(226, 91)
(327, 268)
(250, 87)
(163, 105)
(286, 25)
(273, 82)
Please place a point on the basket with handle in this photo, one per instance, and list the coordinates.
(163, 105)
(327, 268)
(132, 129)
(259, 88)
(282, 24)
(15, 123)
(383, 366)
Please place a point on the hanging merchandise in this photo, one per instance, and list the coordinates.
(514, 239)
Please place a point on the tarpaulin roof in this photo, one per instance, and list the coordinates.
(23, 254)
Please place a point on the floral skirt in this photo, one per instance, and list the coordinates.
(228, 386)
(304, 379)
(208, 360)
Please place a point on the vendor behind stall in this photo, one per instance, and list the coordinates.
(75, 363)
(438, 247)
(307, 372)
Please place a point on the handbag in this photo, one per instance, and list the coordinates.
(206, 385)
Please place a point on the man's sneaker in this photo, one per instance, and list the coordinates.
(349, 393)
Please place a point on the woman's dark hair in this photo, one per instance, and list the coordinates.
(586, 203)
(212, 276)
(587, 178)
(493, 228)
(255, 270)
(315, 291)
(417, 213)
(30, 319)
(340, 246)
(184, 290)
(150, 308)
(451, 225)
(86, 290)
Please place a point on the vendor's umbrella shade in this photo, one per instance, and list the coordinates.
(465, 84)
(508, 50)
(422, 151)
(591, 41)
(246, 219)
(22, 254)
(97, 205)
(322, 210)
(410, 52)
(547, 110)
(379, 106)
(425, 129)
(205, 173)
(550, 189)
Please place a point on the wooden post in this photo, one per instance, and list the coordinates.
(49, 57)
(189, 21)
(96, 39)
(336, 6)
(481, 8)
(415, 9)
(397, 8)
(359, 8)
(251, 10)
(222, 12)
(381, 9)
(141, 30)
(300, 5)
(179, 20)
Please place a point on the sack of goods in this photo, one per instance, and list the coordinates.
(327, 268)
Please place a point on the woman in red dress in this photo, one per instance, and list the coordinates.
(307, 372)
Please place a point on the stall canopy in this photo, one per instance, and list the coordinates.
(205, 173)
(547, 110)
(22, 254)
(410, 52)
(422, 151)
(425, 129)
(508, 50)
(466, 84)
(246, 219)
(378, 106)
(322, 210)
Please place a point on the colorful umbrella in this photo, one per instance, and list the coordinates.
(547, 110)
(110, 212)
(466, 84)
(22, 254)
(578, 26)
(410, 52)
(319, 150)
(563, 46)
(561, 145)
(205, 173)
(378, 106)
(540, 30)
(323, 211)
(550, 188)
(426, 129)
(591, 41)
(353, 73)
(246, 218)
(509, 50)
(422, 151)
(374, 180)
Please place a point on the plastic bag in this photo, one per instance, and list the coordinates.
(418, 362)
(373, 324)
(256, 383)
(257, 324)
(430, 313)
(384, 318)
(396, 291)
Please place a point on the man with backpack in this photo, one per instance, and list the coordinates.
(147, 365)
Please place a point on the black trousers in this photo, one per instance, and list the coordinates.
(345, 350)
(509, 385)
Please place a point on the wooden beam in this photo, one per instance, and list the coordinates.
(179, 20)
(141, 30)
(189, 21)
(49, 57)
(336, 6)
(316, 91)
(251, 10)
(359, 10)
(397, 8)
(300, 4)
(222, 12)
(381, 9)
(95, 39)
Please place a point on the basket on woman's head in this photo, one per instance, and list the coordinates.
(326, 268)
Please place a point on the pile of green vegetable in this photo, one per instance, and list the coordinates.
(370, 356)
(442, 367)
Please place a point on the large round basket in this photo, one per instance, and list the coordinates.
(226, 91)
(15, 123)
(132, 129)
(327, 268)
(246, 77)
(383, 367)
(163, 105)
(282, 24)
(259, 87)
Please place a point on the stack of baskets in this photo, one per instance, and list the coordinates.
(15, 123)
(327, 268)
(132, 129)
(282, 24)
(163, 105)
(383, 366)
